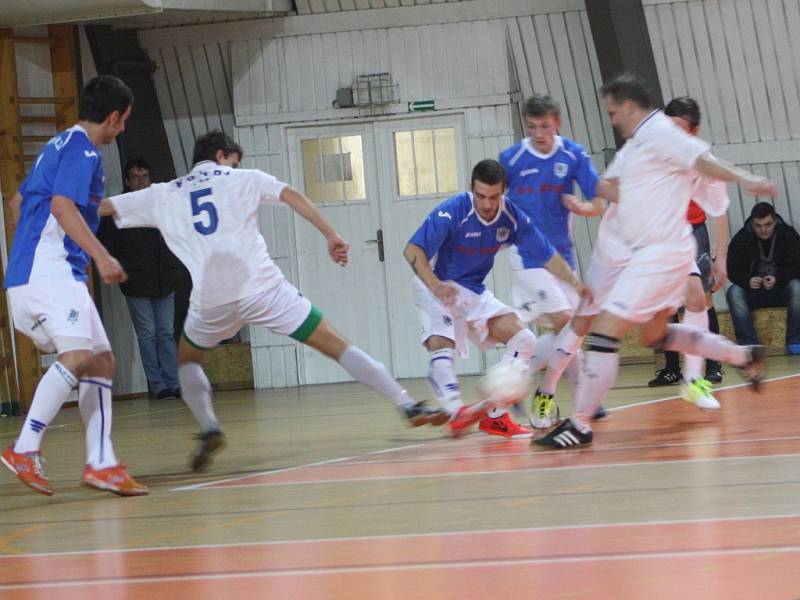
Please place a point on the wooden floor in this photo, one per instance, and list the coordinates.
(323, 493)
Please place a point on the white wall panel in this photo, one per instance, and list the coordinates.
(741, 60)
(193, 85)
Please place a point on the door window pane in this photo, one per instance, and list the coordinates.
(333, 169)
(425, 161)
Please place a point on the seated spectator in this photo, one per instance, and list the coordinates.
(764, 270)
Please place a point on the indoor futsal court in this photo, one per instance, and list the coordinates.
(322, 493)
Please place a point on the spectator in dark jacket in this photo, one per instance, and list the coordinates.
(153, 272)
(764, 270)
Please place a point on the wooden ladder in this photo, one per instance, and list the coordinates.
(18, 151)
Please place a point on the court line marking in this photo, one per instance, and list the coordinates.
(528, 453)
(426, 566)
(209, 484)
(426, 534)
(451, 474)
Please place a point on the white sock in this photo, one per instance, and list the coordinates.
(566, 344)
(196, 392)
(51, 393)
(691, 340)
(442, 377)
(544, 348)
(94, 401)
(369, 371)
(693, 364)
(600, 368)
(520, 346)
(574, 368)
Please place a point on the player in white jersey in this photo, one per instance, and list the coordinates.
(209, 220)
(542, 172)
(55, 214)
(654, 174)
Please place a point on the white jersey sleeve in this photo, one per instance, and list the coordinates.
(137, 209)
(269, 187)
(679, 147)
(712, 196)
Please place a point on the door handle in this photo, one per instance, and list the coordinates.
(379, 241)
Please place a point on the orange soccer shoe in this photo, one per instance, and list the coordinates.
(504, 426)
(113, 479)
(28, 468)
(464, 418)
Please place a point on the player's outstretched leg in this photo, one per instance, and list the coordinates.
(370, 372)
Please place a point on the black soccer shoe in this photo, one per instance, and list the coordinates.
(755, 369)
(421, 414)
(665, 377)
(714, 371)
(565, 436)
(208, 444)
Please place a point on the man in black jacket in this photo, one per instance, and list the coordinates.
(764, 270)
(153, 273)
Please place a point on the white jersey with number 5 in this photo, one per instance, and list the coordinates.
(209, 219)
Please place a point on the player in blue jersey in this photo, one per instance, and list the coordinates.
(56, 214)
(451, 254)
(542, 171)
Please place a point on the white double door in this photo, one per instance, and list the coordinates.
(370, 301)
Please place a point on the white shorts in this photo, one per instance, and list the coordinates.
(58, 315)
(600, 279)
(281, 309)
(537, 293)
(653, 280)
(467, 319)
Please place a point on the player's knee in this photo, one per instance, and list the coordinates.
(103, 364)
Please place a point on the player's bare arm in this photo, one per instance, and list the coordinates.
(419, 263)
(337, 247)
(69, 218)
(710, 165)
(106, 208)
(721, 234)
(561, 269)
(584, 208)
(14, 208)
(608, 189)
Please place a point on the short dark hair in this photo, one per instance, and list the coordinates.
(206, 146)
(684, 107)
(628, 86)
(135, 163)
(490, 172)
(763, 209)
(101, 96)
(541, 105)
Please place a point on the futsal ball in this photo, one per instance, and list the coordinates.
(507, 383)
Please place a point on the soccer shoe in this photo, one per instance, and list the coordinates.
(504, 426)
(208, 444)
(422, 414)
(113, 479)
(463, 419)
(714, 371)
(28, 468)
(699, 392)
(544, 411)
(600, 413)
(566, 435)
(665, 377)
(755, 369)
